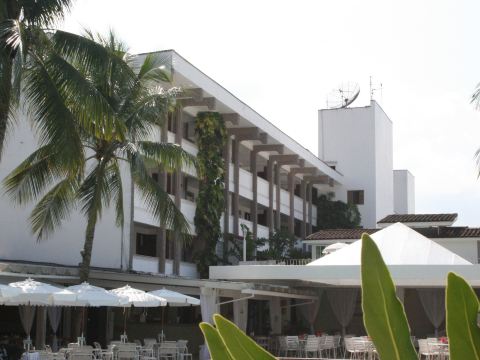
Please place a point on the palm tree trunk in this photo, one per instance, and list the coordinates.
(87, 247)
(5, 99)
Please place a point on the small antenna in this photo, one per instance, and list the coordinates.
(374, 89)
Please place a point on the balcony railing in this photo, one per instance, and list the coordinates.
(277, 262)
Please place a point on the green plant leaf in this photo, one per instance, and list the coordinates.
(216, 347)
(383, 313)
(462, 309)
(239, 345)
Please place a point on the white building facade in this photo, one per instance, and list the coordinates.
(269, 185)
(358, 142)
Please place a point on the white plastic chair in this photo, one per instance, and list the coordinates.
(311, 346)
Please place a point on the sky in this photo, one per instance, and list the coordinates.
(284, 57)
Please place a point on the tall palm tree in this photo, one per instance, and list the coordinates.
(136, 105)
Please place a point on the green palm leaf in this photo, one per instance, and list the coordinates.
(216, 347)
(239, 345)
(462, 311)
(383, 313)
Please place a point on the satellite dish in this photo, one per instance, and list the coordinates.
(343, 96)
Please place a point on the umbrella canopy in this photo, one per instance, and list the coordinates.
(333, 247)
(8, 293)
(37, 293)
(138, 298)
(174, 298)
(89, 295)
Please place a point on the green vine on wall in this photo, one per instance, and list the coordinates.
(211, 139)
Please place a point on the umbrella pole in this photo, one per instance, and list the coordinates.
(124, 321)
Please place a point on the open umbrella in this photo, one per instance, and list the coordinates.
(33, 293)
(333, 247)
(137, 298)
(94, 296)
(174, 299)
(37, 293)
(8, 293)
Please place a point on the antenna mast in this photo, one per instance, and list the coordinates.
(374, 89)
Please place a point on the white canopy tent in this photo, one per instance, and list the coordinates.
(399, 245)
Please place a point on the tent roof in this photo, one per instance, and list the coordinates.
(399, 245)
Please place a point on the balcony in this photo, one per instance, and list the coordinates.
(149, 264)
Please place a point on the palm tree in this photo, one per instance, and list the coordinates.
(137, 104)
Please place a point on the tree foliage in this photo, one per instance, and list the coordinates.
(109, 112)
(211, 139)
(333, 214)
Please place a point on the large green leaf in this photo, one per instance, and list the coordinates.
(239, 345)
(462, 309)
(216, 347)
(383, 313)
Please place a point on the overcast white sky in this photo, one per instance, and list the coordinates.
(283, 58)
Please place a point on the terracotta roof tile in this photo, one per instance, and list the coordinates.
(433, 232)
(408, 218)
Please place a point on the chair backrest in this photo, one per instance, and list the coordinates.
(73, 345)
(167, 348)
(81, 353)
(126, 351)
(148, 341)
(312, 343)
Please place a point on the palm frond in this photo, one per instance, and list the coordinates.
(89, 54)
(116, 189)
(53, 208)
(47, 107)
(44, 13)
(169, 156)
(35, 174)
(157, 201)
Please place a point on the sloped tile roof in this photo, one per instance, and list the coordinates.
(409, 218)
(334, 234)
(434, 232)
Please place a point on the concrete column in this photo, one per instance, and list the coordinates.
(226, 215)
(236, 185)
(253, 169)
(303, 194)
(41, 330)
(253, 204)
(178, 195)
(162, 233)
(310, 217)
(278, 217)
(291, 196)
(291, 190)
(270, 224)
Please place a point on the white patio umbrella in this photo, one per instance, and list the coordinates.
(333, 247)
(94, 296)
(89, 295)
(174, 299)
(37, 293)
(137, 298)
(33, 293)
(8, 293)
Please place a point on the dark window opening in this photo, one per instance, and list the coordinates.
(146, 244)
(355, 197)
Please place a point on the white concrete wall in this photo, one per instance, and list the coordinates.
(359, 141)
(347, 137)
(403, 192)
(383, 163)
(464, 247)
(63, 246)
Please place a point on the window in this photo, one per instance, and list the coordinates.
(355, 197)
(146, 244)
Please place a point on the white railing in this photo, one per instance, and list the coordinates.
(277, 262)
